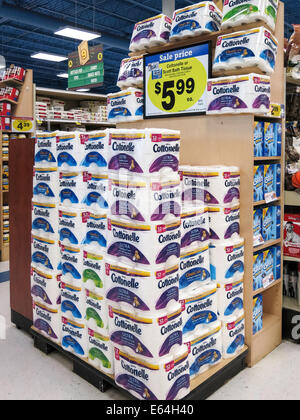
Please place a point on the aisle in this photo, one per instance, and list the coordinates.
(32, 375)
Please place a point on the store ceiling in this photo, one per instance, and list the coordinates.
(27, 27)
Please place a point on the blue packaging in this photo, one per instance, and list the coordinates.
(258, 183)
(271, 223)
(277, 262)
(259, 132)
(257, 314)
(268, 267)
(258, 260)
(257, 222)
(272, 180)
(272, 139)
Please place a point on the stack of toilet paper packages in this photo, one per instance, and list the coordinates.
(45, 274)
(131, 73)
(252, 48)
(125, 106)
(239, 12)
(198, 19)
(217, 190)
(142, 265)
(151, 32)
(239, 94)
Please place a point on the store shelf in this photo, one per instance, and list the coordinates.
(8, 82)
(10, 101)
(269, 321)
(266, 159)
(291, 304)
(70, 95)
(291, 198)
(266, 245)
(263, 202)
(292, 259)
(94, 123)
(293, 81)
(264, 289)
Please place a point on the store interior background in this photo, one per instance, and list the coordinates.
(26, 28)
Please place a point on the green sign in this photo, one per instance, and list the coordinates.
(89, 75)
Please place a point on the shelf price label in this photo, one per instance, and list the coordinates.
(23, 125)
(176, 81)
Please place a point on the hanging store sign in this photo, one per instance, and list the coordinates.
(176, 81)
(86, 67)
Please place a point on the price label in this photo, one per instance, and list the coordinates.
(22, 125)
(176, 81)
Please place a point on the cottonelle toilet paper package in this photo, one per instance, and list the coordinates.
(71, 228)
(151, 336)
(73, 302)
(72, 189)
(70, 150)
(145, 245)
(230, 300)
(194, 185)
(96, 199)
(47, 321)
(239, 94)
(150, 32)
(144, 152)
(45, 150)
(252, 48)
(94, 272)
(199, 309)
(239, 12)
(96, 312)
(140, 290)
(45, 185)
(101, 352)
(194, 228)
(45, 287)
(74, 337)
(194, 269)
(164, 379)
(227, 260)
(205, 350)
(95, 151)
(224, 222)
(136, 198)
(125, 106)
(195, 20)
(96, 233)
(71, 264)
(45, 253)
(131, 73)
(233, 334)
(45, 220)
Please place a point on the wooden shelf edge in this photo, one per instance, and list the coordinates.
(259, 203)
(262, 290)
(11, 81)
(10, 101)
(266, 159)
(267, 244)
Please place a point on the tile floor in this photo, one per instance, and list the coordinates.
(26, 373)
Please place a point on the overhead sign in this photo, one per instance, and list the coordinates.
(86, 67)
(176, 81)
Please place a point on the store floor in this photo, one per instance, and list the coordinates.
(26, 373)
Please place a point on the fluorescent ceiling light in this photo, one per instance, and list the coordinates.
(63, 75)
(83, 90)
(49, 57)
(77, 34)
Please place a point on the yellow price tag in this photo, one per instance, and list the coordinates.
(22, 126)
(77, 123)
(276, 110)
(39, 121)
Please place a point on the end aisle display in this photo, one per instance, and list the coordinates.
(168, 228)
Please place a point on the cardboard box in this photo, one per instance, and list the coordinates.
(291, 244)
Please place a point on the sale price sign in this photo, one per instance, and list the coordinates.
(176, 81)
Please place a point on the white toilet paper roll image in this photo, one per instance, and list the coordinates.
(95, 240)
(45, 150)
(74, 337)
(165, 379)
(195, 231)
(194, 269)
(227, 260)
(145, 199)
(93, 275)
(46, 185)
(144, 152)
(72, 189)
(151, 336)
(141, 291)
(205, 350)
(96, 199)
(96, 314)
(70, 150)
(100, 352)
(230, 300)
(71, 265)
(95, 151)
(47, 321)
(224, 222)
(73, 304)
(71, 227)
(45, 288)
(199, 310)
(45, 220)
(45, 254)
(233, 333)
